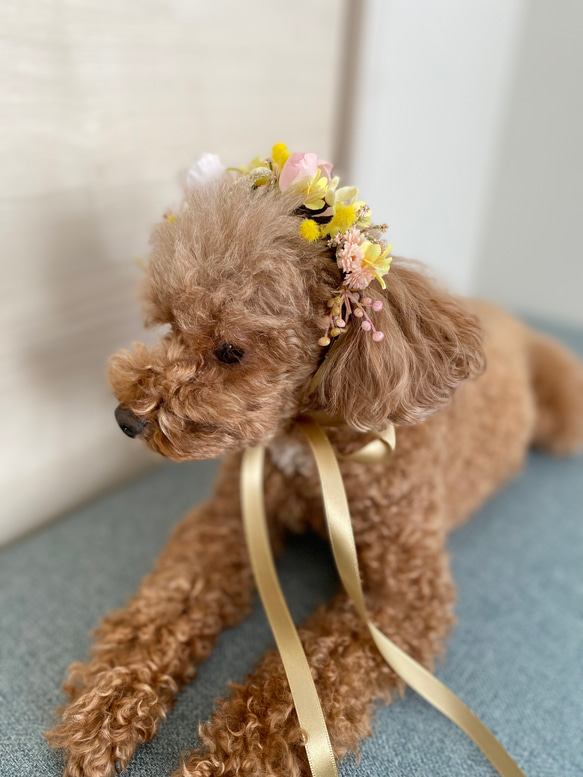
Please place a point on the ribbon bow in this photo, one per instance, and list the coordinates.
(310, 715)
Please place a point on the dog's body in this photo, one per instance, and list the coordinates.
(208, 277)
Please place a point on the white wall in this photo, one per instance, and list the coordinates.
(467, 139)
(101, 104)
(531, 251)
(433, 86)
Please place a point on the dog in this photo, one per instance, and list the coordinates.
(244, 300)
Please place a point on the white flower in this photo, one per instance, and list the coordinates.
(208, 168)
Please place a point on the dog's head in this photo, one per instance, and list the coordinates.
(245, 298)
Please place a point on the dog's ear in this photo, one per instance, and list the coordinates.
(431, 344)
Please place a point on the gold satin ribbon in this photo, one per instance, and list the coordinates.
(309, 711)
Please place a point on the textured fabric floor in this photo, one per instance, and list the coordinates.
(515, 656)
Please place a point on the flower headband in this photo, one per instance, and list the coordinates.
(332, 214)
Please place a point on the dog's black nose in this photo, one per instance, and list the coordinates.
(129, 423)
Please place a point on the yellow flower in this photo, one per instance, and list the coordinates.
(331, 193)
(280, 154)
(345, 194)
(343, 218)
(378, 260)
(309, 230)
(314, 191)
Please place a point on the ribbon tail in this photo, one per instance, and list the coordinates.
(304, 693)
(444, 700)
(415, 675)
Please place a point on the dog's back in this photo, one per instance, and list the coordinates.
(531, 393)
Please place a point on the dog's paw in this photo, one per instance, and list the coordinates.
(87, 765)
(247, 762)
(199, 763)
(255, 733)
(102, 726)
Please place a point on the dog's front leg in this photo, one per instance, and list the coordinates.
(255, 732)
(146, 651)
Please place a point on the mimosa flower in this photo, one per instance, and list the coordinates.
(309, 230)
(280, 154)
(344, 217)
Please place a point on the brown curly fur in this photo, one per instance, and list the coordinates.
(233, 269)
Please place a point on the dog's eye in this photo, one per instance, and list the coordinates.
(229, 354)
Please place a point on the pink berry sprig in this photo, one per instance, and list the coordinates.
(368, 324)
(347, 303)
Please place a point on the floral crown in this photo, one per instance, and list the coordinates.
(331, 213)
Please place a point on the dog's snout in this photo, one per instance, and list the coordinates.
(129, 423)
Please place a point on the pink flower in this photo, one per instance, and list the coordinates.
(325, 168)
(301, 167)
(350, 256)
(359, 278)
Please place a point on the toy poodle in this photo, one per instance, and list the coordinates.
(261, 288)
